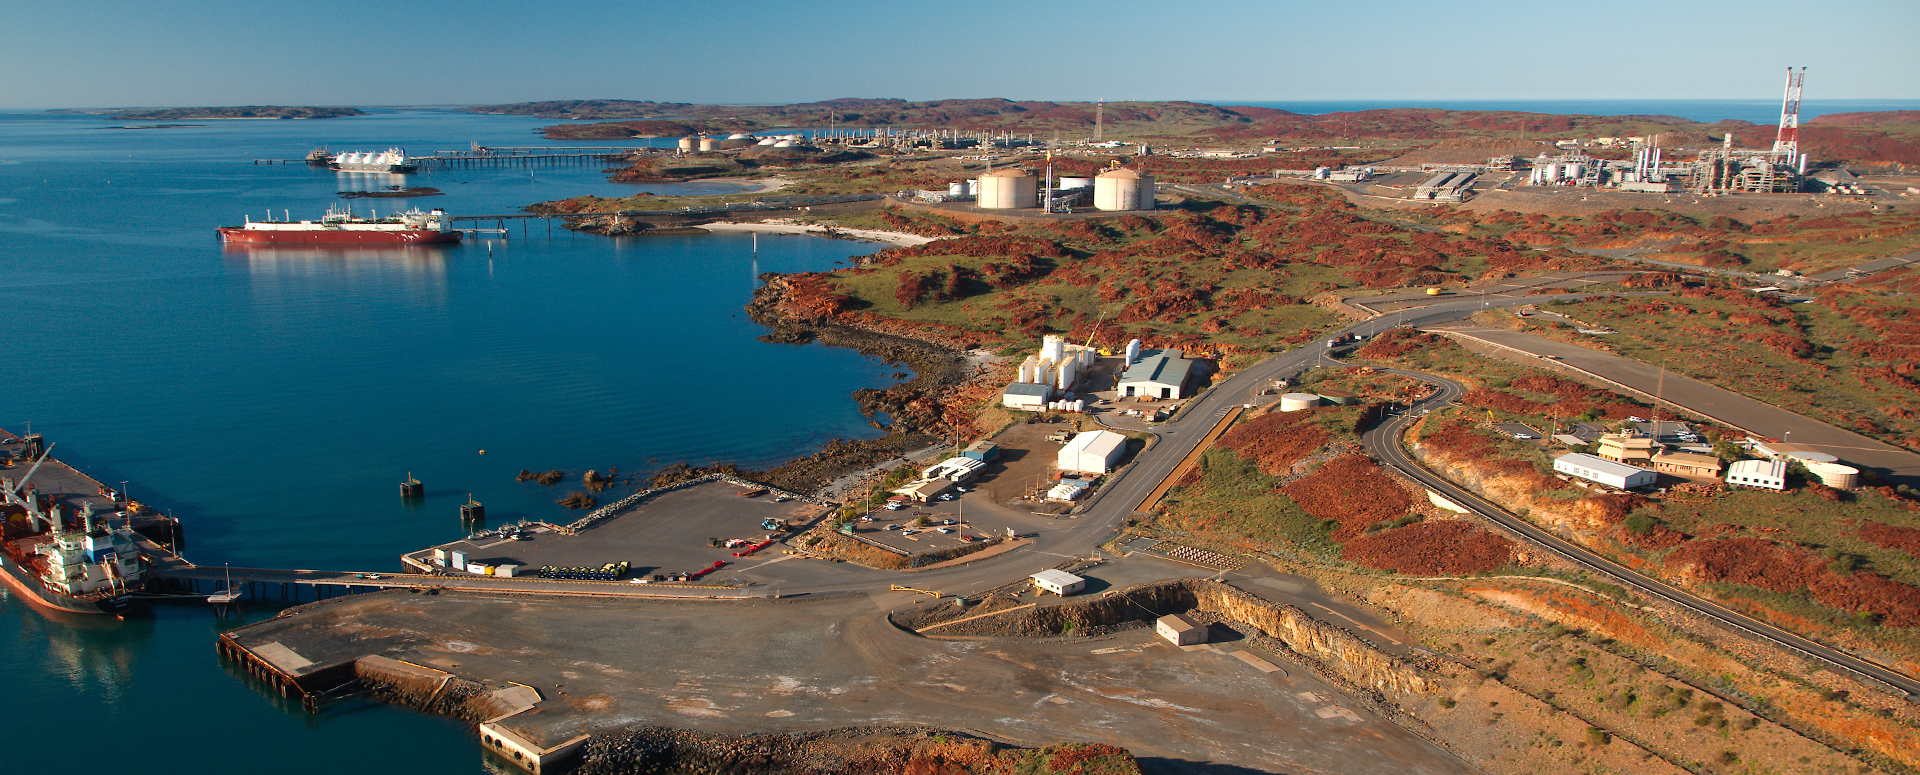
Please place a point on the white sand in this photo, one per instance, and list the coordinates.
(782, 226)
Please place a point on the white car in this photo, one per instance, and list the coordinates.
(945, 530)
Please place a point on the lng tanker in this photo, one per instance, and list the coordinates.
(390, 160)
(344, 228)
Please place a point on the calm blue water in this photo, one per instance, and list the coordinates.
(1756, 111)
(274, 399)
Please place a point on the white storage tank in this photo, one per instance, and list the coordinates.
(973, 188)
(739, 136)
(768, 141)
(957, 189)
(689, 143)
(1009, 189)
(1133, 351)
(1067, 183)
(1550, 173)
(1294, 402)
(708, 145)
(1122, 189)
(1835, 475)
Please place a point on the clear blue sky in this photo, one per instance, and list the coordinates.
(355, 52)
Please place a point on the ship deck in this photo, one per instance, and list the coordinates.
(67, 485)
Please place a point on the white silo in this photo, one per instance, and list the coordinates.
(689, 143)
(1133, 351)
(1321, 173)
(1550, 174)
(1053, 347)
(957, 189)
(973, 187)
(1008, 189)
(1066, 374)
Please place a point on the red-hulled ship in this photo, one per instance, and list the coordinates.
(86, 567)
(344, 228)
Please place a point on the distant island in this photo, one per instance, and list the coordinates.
(247, 111)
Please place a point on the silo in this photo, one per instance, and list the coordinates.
(1294, 402)
(1133, 351)
(1550, 174)
(689, 143)
(1053, 347)
(1321, 173)
(1835, 475)
(957, 189)
(1008, 189)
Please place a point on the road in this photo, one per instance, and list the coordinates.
(1894, 464)
(1383, 442)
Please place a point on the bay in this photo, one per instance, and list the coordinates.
(274, 399)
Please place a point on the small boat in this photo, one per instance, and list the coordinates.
(228, 595)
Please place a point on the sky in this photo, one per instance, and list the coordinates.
(126, 53)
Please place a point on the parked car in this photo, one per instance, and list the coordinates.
(946, 496)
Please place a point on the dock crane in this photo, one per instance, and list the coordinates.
(16, 494)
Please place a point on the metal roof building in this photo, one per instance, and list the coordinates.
(1031, 396)
(1179, 630)
(1158, 374)
(1092, 452)
(1058, 582)
(1764, 474)
(1604, 471)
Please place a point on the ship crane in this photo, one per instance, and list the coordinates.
(17, 493)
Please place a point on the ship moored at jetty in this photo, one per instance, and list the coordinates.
(390, 160)
(84, 566)
(338, 227)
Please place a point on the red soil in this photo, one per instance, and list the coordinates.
(1432, 548)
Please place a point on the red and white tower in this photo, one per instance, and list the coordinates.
(1786, 144)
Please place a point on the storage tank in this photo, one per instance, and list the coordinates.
(1835, 475)
(1550, 174)
(708, 145)
(1294, 402)
(1053, 347)
(1133, 351)
(689, 143)
(1008, 189)
(783, 144)
(957, 189)
(768, 141)
(1321, 173)
(973, 188)
(1574, 171)
(1067, 183)
(739, 136)
(1122, 189)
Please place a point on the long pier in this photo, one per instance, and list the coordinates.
(757, 205)
(294, 586)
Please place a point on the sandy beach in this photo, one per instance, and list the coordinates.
(784, 226)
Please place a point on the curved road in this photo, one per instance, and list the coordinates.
(1383, 441)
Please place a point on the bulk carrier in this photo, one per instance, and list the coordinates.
(344, 228)
(84, 566)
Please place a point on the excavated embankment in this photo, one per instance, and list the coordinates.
(665, 751)
(1334, 652)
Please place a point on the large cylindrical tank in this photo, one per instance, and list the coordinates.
(1550, 173)
(1053, 347)
(1008, 189)
(1835, 475)
(708, 145)
(1116, 190)
(689, 143)
(1133, 351)
(973, 188)
(1339, 397)
(1067, 183)
(1574, 171)
(958, 188)
(1294, 402)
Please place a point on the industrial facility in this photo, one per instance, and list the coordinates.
(1093, 452)
(1157, 374)
(1607, 472)
(1780, 169)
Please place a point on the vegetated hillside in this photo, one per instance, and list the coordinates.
(1222, 278)
(1868, 118)
(248, 111)
(1850, 358)
(1808, 245)
(1294, 483)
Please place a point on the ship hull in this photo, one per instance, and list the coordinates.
(242, 236)
(13, 575)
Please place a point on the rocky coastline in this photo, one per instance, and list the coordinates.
(654, 750)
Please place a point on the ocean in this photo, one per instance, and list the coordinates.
(273, 400)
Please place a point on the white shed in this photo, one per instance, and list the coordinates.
(1093, 452)
(1058, 582)
(1599, 469)
(1764, 474)
(1029, 396)
(1179, 630)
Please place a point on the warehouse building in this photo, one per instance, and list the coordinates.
(1158, 374)
(925, 490)
(1058, 582)
(1764, 474)
(1026, 396)
(955, 469)
(1094, 452)
(1179, 630)
(1607, 472)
